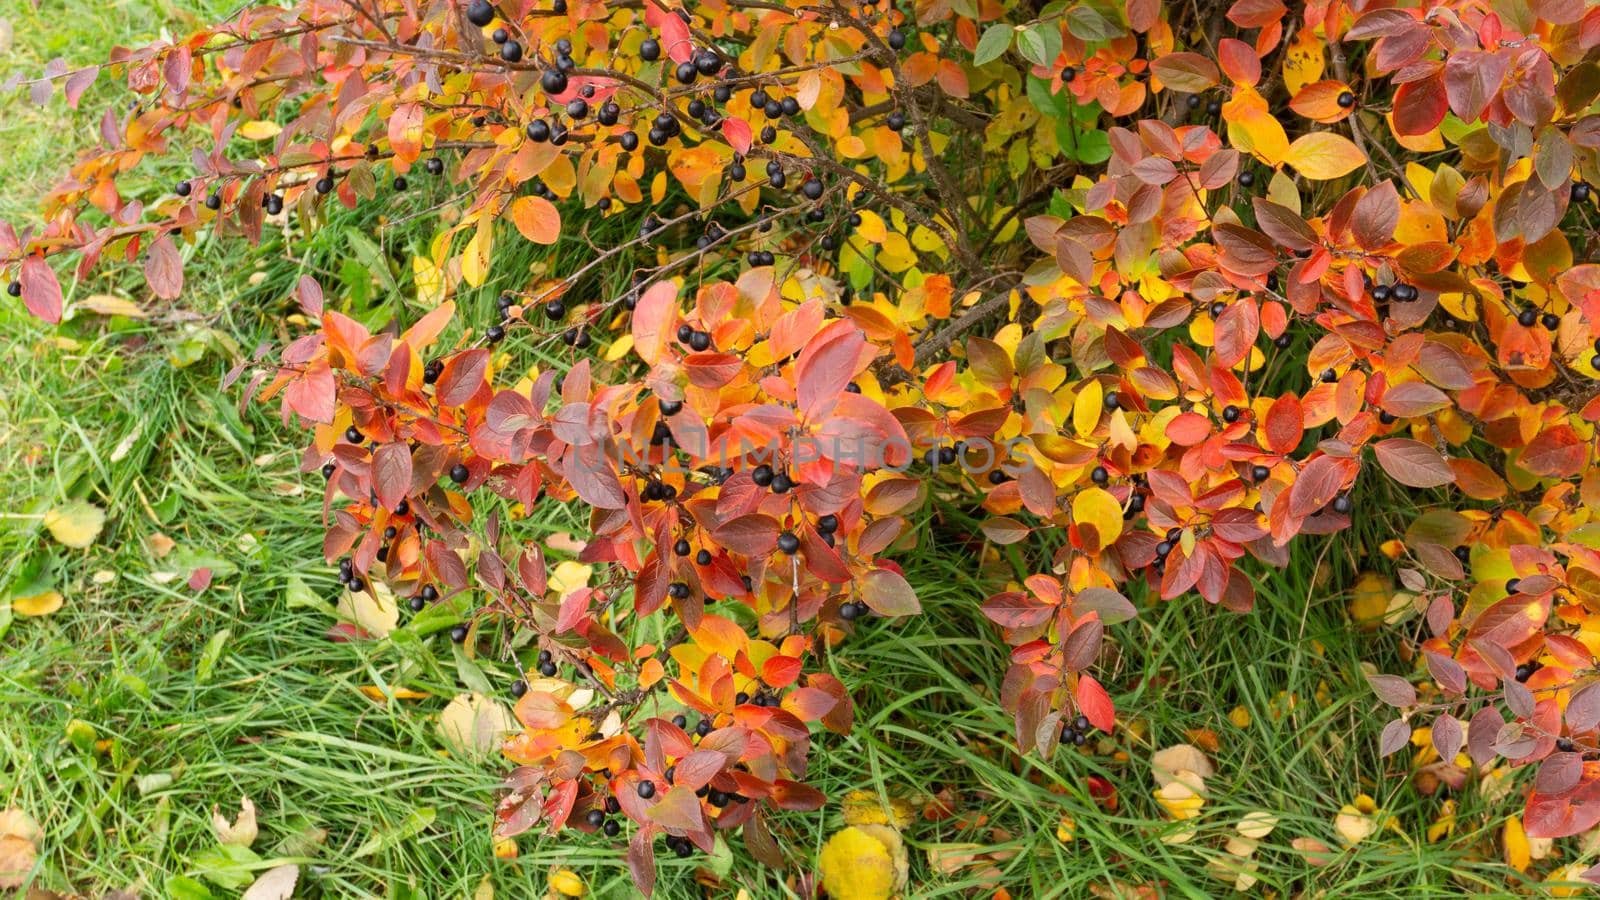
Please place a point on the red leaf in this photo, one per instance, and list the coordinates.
(737, 133)
(824, 369)
(780, 671)
(752, 535)
(309, 293)
(1319, 482)
(653, 320)
(1188, 429)
(1419, 106)
(1015, 609)
(1236, 331)
(1567, 813)
(1556, 453)
(1283, 425)
(163, 268)
(888, 593)
(41, 293)
(462, 376)
(1095, 704)
(1413, 463)
(391, 473)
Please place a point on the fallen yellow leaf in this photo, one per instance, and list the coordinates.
(75, 524)
(42, 604)
(863, 862)
(566, 883)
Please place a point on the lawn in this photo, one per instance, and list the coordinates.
(145, 703)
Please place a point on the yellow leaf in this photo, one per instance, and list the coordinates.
(1303, 62)
(1322, 155)
(863, 862)
(1356, 821)
(37, 605)
(566, 883)
(1087, 407)
(1097, 508)
(374, 609)
(259, 130)
(1181, 762)
(475, 257)
(568, 577)
(537, 219)
(473, 723)
(1518, 854)
(1252, 128)
(107, 305)
(75, 524)
(867, 808)
(429, 280)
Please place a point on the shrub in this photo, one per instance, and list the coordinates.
(1154, 284)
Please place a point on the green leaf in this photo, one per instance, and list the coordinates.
(182, 887)
(415, 823)
(995, 42)
(1040, 44)
(1090, 24)
(439, 616)
(470, 674)
(373, 258)
(1039, 95)
(297, 593)
(227, 865)
(210, 655)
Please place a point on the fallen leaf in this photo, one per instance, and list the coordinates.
(1169, 765)
(863, 862)
(274, 884)
(373, 608)
(473, 723)
(18, 832)
(41, 604)
(17, 856)
(566, 883)
(242, 832)
(75, 524)
(107, 305)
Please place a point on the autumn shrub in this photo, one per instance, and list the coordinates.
(1153, 284)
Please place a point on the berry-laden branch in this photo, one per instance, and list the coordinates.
(1208, 325)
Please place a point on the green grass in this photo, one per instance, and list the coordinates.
(128, 715)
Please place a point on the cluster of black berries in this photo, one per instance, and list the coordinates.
(598, 820)
(660, 490)
(826, 526)
(944, 456)
(1163, 549)
(1076, 732)
(701, 728)
(1526, 670)
(420, 600)
(698, 341)
(778, 482)
(712, 235)
(851, 610)
(1528, 315)
(1400, 292)
(349, 578)
(1213, 106)
(546, 664)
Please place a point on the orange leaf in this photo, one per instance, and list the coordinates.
(537, 219)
